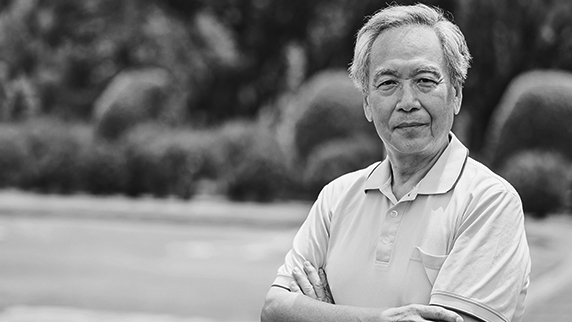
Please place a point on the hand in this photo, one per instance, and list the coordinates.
(312, 283)
(418, 312)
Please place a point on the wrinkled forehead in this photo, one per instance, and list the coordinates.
(417, 46)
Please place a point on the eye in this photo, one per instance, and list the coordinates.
(427, 82)
(387, 84)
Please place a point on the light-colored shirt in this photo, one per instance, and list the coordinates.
(456, 240)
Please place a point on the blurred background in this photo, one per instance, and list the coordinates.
(156, 156)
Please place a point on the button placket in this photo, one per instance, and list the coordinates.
(387, 235)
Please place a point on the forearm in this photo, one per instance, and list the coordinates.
(282, 306)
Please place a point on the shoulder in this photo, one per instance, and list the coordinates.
(482, 179)
(349, 183)
(484, 191)
(341, 191)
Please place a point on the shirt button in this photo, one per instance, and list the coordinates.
(385, 240)
(394, 214)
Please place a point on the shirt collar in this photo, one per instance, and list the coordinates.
(440, 179)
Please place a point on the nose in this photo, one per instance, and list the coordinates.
(408, 100)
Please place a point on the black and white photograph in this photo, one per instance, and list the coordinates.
(285, 160)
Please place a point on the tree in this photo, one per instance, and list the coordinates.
(507, 38)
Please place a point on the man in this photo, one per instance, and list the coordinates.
(428, 234)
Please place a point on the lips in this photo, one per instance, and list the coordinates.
(409, 124)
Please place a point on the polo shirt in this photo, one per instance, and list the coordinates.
(457, 240)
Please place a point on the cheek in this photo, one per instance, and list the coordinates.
(381, 119)
(443, 118)
(381, 108)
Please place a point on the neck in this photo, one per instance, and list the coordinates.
(408, 170)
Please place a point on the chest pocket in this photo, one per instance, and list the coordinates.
(421, 275)
(431, 263)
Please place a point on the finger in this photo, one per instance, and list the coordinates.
(304, 284)
(315, 280)
(324, 279)
(438, 313)
(294, 288)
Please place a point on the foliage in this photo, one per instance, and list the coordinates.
(54, 150)
(132, 97)
(229, 59)
(163, 162)
(329, 108)
(541, 178)
(14, 157)
(241, 158)
(339, 157)
(254, 166)
(507, 38)
(262, 31)
(534, 114)
(103, 169)
(71, 50)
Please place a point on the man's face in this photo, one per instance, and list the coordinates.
(411, 100)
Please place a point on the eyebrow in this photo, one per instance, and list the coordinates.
(428, 69)
(420, 70)
(384, 72)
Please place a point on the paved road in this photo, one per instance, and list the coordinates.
(550, 295)
(556, 308)
(84, 260)
(198, 272)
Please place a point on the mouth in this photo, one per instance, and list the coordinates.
(406, 125)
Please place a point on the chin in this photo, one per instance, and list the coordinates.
(417, 147)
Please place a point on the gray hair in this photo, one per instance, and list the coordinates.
(453, 44)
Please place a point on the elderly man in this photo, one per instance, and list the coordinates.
(429, 234)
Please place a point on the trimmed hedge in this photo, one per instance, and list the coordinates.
(164, 162)
(328, 107)
(103, 169)
(242, 159)
(254, 166)
(15, 155)
(54, 150)
(542, 180)
(131, 98)
(534, 113)
(339, 157)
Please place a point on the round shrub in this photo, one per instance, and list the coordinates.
(328, 107)
(163, 161)
(132, 97)
(254, 166)
(232, 143)
(534, 113)
(339, 157)
(541, 178)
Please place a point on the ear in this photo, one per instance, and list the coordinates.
(367, 108)
(458, 98)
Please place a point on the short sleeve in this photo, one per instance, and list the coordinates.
(311, 240)
(487, 271)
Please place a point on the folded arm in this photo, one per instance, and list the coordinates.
(308, 301)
